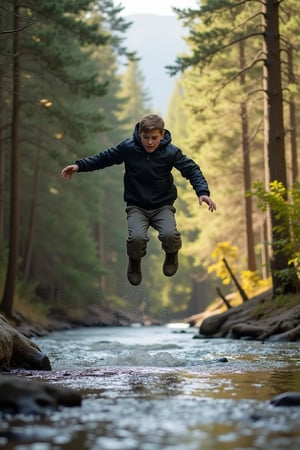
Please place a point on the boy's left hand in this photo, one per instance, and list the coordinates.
(211, 204)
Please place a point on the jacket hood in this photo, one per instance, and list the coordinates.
(165, 140)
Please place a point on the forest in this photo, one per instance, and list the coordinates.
(70, 88)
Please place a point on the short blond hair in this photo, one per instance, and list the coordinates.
(151, 122)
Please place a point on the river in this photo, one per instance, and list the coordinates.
(160, 388)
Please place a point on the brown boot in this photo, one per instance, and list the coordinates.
(134, 273)
(170, 264)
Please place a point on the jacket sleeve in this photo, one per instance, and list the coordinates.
(192, 172)
(111, 156)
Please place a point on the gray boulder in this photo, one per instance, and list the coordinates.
(18, 395)
(18, 352)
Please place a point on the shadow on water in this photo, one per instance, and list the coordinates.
(135, 399)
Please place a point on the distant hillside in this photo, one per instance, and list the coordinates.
(157, 41)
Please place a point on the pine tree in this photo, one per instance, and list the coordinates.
(217, 33)
(134, 96)
(58, 77)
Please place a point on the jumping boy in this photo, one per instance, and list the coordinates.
(149, 189)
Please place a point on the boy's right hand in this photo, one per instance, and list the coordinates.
(68, 171)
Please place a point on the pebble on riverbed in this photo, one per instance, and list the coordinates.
(222, 359)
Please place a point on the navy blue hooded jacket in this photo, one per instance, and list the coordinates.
(148, 182)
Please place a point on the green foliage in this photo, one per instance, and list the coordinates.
(250, 282)
(69, 87)
(29, 304)
(214, 28)
(26, 301)
(285, 205)
(214, 94)
(229, 252)
(75, 103)
(135, 99)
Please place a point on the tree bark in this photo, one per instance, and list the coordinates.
(234, 279)
(246, 167)
(31, 226)
(2, 164)
(228, 305)
(292, 119)
(11, 274)
(2, 154)
(275, 131)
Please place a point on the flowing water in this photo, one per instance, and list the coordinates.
(156, 388)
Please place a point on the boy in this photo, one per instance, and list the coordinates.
(149, 191)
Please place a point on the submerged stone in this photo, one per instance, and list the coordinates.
(21, 396)
(286, 399)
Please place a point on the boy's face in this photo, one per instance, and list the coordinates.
(151, 139)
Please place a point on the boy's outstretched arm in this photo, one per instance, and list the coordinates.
(206, 199)
(68, 171)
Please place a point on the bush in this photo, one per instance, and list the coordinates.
(285, 205)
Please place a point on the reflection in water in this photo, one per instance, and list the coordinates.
(251, 385)
(151, 389)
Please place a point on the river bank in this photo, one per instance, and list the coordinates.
(91, 316)
(259, 318)
(17, 349)
(262, 318)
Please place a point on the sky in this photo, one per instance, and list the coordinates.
(160, 7)
(159, 96)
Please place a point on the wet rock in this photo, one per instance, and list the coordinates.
(222, 359)
(291, 335)
(245, 322)
(18, 395)
(244, 330)
(287, 399)
(17, 351)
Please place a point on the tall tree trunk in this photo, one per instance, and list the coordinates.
(2, 163)
(264, 247)
(102, 255)
(275, 129)
(31, 226)
(246, 167)
(292, 119)
(11, 275)
(266, 230)
(99, 235)
(2, 159)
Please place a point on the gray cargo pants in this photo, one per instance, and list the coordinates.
(161, 219)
